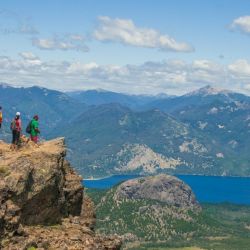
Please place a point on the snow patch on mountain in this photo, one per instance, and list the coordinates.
(202, 125)
(124, 120)
(192, 146)
(208, 90)
(221, 126)
(220, 155)
(213, 111)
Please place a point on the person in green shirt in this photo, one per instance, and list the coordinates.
(34, 130)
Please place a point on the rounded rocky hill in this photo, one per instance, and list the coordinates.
(152, 208)
(163, 188)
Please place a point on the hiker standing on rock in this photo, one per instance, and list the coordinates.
(1, 117)
(16, 128)
(34, 130)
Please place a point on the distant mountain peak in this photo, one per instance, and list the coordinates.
(100, 90)
(164, 95)
(97, 90)
(209, 90)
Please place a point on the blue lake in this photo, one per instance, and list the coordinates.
(211, 189)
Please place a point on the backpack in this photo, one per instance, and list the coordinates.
(28, 128)
(13, 125)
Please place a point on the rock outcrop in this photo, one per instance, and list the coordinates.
(164, 188)
(153, 209)
(42, 202)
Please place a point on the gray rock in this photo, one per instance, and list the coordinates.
(163, 188)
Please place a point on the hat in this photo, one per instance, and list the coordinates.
(18, 113)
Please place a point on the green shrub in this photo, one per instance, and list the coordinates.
(4, 170)
(31, 248)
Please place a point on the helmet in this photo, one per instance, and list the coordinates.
(18, 113)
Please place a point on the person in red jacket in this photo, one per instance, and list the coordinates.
(16, 128)
(1, 117)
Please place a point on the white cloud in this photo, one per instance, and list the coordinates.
(240, 68)
(27, 28)
(78, 67)
(28, 55)
(125, 31)
(172, 76)
(240, 72)
(208, 72)
(64, 42)
(242, 24)
(44, 43)
(205, 65)
(30, 59)
(11, 22)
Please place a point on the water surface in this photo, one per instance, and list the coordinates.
(212, 189)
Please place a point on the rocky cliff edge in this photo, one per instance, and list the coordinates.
(42, 201)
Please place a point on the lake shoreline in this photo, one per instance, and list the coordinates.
(207, 189)
(109, 176)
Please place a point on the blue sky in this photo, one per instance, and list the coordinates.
(147, 47)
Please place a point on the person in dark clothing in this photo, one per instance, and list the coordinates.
(16, 128)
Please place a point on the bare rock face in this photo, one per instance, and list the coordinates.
(164, 188)
(38, 187)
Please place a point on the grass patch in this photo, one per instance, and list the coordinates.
(31, 248)
(4, 170)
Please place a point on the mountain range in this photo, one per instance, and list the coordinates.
(206, 131)
(100, 96)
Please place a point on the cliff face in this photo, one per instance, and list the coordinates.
(42, 201)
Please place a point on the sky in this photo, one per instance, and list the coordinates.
(129, 46)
